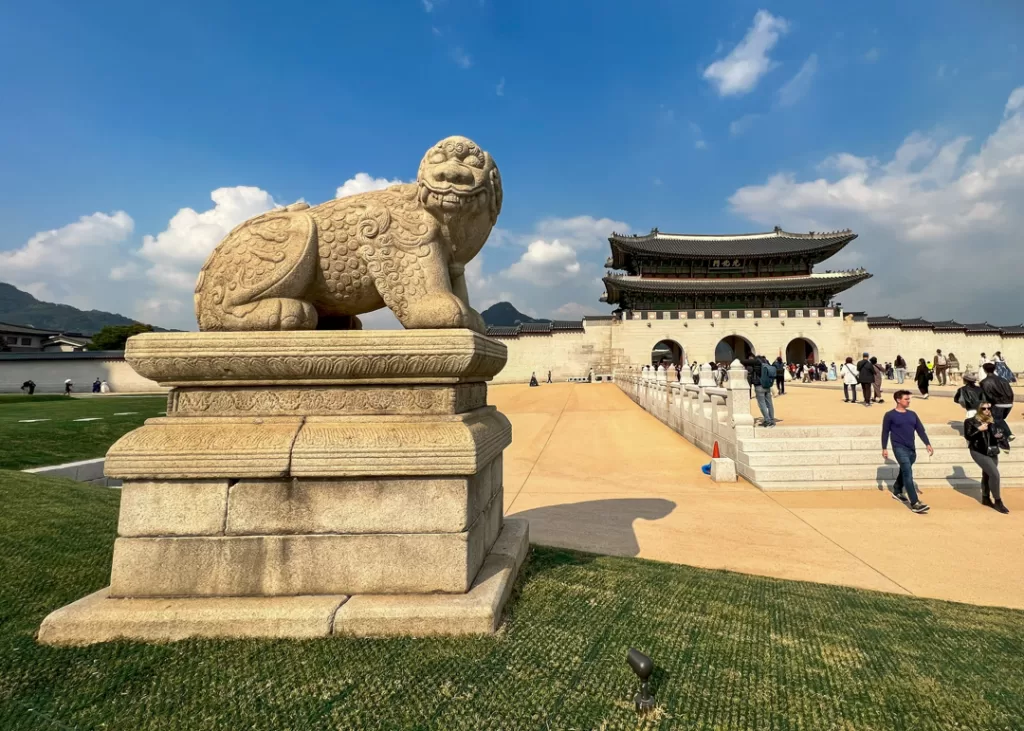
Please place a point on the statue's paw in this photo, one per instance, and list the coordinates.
(476, 323)
(296, 315)
(441, 311)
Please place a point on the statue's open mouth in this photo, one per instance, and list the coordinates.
(451, 197)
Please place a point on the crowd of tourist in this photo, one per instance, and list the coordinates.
(986, 397)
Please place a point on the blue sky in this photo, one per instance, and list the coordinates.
(899, 120)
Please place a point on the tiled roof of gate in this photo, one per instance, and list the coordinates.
(835, 281)
(769, 243)
(534, 328)
(882, 321)
(981, 327)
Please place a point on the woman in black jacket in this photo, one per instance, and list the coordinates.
(984, 439)
(922, 376)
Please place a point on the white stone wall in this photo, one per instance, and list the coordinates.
(606, 346)
(565, 354)
(49, 375)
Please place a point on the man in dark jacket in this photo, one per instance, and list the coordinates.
(866, 378)
(753, 364)
(998, 392)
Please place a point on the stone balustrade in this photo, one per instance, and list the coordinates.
(704, 413)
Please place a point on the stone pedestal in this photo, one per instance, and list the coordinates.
(308, 483)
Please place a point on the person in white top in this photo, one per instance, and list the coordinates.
(849, 374)
(981, 366)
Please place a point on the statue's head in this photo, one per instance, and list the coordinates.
(457, 177)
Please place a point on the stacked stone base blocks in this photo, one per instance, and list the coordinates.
(307, 484)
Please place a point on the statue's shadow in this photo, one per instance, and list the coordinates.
(597, 526)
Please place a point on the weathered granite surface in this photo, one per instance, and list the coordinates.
(405, 247)
(308, 464)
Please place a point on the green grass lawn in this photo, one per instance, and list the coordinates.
(733, 651)
(61, 439)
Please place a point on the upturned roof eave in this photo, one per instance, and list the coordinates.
(825, 246)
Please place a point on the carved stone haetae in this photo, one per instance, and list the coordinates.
(327, 464)
(406, 247)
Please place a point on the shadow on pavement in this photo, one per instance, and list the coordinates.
(957, 479)
(598, 526)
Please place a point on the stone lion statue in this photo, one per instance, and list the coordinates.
(303, 268)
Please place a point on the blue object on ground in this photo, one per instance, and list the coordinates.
(706, 469)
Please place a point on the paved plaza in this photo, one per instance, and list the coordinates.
(593, 471)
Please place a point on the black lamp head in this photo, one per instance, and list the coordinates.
(642, 665)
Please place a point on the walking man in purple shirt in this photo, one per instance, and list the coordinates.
(901, 424)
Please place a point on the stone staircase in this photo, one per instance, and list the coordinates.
(850, 458)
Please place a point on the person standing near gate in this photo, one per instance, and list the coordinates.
(866, 378)
(780, 375)
(761, 375)
(941, 365)
(900, 425)
(999, 393)
(900, 367)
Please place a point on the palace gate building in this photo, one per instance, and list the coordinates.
(686, 297)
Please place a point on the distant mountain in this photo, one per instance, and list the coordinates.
(21, 308)
(505, 315)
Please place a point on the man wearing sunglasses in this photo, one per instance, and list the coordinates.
(901, 424)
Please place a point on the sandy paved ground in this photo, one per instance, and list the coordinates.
(593, 471)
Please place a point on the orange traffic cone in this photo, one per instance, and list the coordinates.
(715, 454)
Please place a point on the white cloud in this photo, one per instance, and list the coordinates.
(938, 227)
(428, 6)
(177, 252)
(1015, 102)
(739, 72)
(363, 183)
(744, 123)
(64, 248)
(573, 311)
(461, 58)
(500, 88)
(795, 89)
(545, 263)
(872, 55)
(700, 144)
(71, 264)
(560, 267)
(580, 232)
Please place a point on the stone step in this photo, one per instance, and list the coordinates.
(856, 430)
(852, 472)
(837, 444)
(924, 484)
(866, 457)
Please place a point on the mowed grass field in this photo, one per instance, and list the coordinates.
(732, 651)
(60, 438)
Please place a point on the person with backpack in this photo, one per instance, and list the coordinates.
(969, 395)
(985, 439)
(780, 376)
(998, 392)
(761, 375)
(866, 378)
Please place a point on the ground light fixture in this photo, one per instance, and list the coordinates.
(643, 666)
